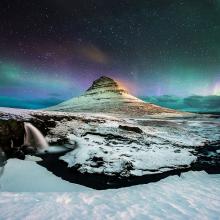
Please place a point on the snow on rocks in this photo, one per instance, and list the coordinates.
(110, 145)
(107, 149)
(97, 154)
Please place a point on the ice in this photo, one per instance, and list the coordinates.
(27, 176)
(32, 158)
(193, 195)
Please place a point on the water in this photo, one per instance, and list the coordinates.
(55, 150)
(33, 137)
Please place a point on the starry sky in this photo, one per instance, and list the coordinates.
(51, 50)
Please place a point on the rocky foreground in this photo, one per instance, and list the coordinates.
(117, 147)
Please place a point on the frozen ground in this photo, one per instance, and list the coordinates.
(109, 145)
(134, 146)
(193, 195)
(28, 176)
(112, 144)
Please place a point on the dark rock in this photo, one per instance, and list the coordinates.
(129, 128)
(60, 141)
(18, 154)
(207, 158)
(108, 83)
(128, 166)
(28, 149)
(42, 125)
(11, 135)
(98, 160)
(3, 158)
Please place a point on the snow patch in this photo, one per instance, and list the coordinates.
(28, 176)
(193, 195)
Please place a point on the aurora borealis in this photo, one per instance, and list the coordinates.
(52, 50)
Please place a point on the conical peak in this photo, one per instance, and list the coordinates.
(103, 82)
(104, 79)
(107, 95)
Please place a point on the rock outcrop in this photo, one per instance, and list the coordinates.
(106, 95)
(12, 137)
(107, 151)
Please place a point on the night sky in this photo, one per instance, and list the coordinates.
(51, 50)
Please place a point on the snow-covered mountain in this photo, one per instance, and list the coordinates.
(106, 95)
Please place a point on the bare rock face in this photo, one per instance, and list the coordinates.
(12, 136)
(106, 95)
(107, 84)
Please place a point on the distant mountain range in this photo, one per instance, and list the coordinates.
(14, 102)
(202, 104)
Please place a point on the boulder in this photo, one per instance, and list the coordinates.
(130, 128)
(11, 136)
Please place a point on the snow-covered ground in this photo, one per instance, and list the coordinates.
(110, 144)
(28, 176)
(96, 156)
(193, 195)
(162, 144)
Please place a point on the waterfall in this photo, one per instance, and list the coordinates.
(33, 137)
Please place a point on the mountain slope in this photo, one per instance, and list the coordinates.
(106, 95)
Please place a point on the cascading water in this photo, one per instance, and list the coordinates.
(33, 137)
